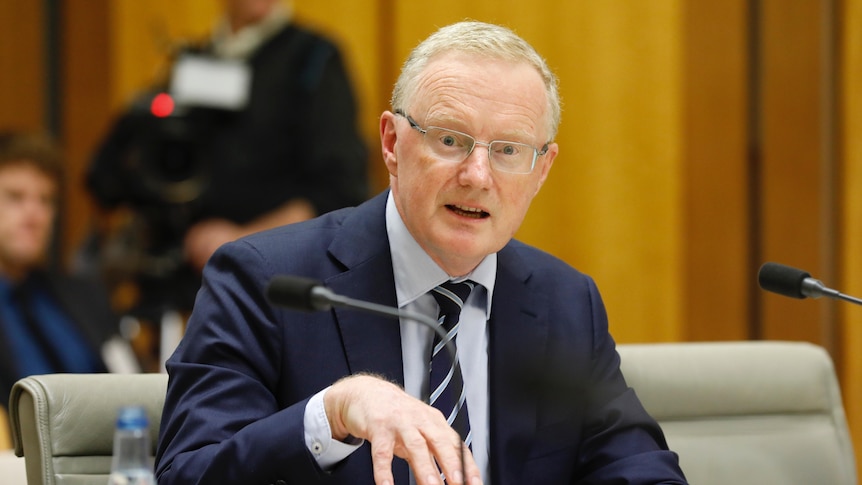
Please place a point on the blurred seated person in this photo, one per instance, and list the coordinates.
(50, 322)
(202, 172)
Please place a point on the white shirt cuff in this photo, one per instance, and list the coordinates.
(318, 436)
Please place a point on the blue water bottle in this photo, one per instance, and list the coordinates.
(131, 463)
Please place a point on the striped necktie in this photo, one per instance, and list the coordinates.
(446, 384)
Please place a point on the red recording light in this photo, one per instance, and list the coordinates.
(162, 105)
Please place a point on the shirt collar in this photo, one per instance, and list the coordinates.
(416, 273)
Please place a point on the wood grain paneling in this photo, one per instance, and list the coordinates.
(22, 65)
(792, 170)
(85, 87)
(717, 231)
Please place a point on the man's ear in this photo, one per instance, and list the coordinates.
(388, 141)
(543, 165)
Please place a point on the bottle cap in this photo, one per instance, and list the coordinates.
(132, 417)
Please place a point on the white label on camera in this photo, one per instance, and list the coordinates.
(209, 82)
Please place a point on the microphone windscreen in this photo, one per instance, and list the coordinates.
(292, 292)
(782, 279)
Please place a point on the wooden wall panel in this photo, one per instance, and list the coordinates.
(85, 84)
(792, 173)
(718, 273)
(22, 65)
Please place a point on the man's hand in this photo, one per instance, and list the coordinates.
(203, 238)
(397, 424)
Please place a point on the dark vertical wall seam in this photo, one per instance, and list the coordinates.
(51, 12)
(830, 190)
(53, 104)
(755, 160)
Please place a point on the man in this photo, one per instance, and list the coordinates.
(49, 322)
(205, 174)
(260, 394)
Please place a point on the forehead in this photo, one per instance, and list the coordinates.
(25, 173)
(470, 89)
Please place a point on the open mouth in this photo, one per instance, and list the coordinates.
(468, 211)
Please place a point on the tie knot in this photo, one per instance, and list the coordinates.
(451, 297)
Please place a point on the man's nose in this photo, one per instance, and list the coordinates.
(477, 165)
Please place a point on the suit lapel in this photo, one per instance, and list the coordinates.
(372, 343)
(517, 323)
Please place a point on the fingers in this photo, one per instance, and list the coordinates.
(472, 474)
(448, 452)
(421, 454)
(438, 450)
(424, 464)
(457, 463)
(381, 461)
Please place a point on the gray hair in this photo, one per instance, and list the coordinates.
(476, 38)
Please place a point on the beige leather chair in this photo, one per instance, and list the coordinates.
(63, 424)
(737, 413)
(746, 412)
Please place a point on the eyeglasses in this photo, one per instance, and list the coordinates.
(454, 146)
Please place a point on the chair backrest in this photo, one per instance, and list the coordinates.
(736, 412)
(63, 424)
(754, 412)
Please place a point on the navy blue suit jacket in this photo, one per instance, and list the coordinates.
(241, 377)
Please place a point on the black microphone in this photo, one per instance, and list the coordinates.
(796, 283)
(307, 294)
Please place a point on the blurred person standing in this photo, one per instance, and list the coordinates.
(49, 321)
(262, 133)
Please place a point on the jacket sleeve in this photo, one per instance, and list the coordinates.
(224, 420)
(621, 442)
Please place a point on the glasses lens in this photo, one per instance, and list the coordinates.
(449, 145)
(513, 157)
